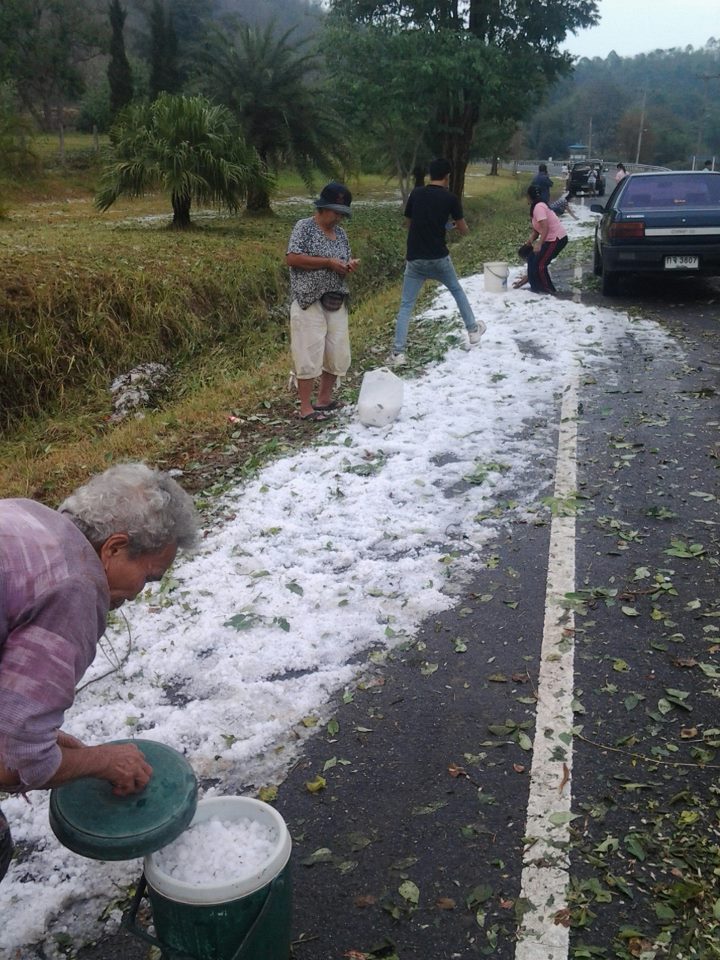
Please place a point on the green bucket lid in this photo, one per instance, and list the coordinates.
(89, 819)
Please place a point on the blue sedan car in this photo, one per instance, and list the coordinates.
(666, 222)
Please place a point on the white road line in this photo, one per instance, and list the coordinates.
(546, 858)
(577, 276)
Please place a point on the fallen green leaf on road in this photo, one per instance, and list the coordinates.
(316, 785)
(409, 891)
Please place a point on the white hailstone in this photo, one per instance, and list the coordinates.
(218, 851)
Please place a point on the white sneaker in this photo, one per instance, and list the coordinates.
(397, 359)
(474, 337)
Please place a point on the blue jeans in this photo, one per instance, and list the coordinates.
(416, 273)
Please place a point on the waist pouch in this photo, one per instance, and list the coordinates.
(332, 300)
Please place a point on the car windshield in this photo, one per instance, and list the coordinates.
(683, 190)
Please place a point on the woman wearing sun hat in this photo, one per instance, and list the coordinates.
(320, 260)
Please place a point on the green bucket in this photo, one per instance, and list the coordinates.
(246, 919)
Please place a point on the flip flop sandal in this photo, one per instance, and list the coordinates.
(317, 416)
(326, 407)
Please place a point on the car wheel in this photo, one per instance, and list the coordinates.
(597, 262)
(601, 189)
(609, 283)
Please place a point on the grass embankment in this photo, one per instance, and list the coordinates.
(85, 297)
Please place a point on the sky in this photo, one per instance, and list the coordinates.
(639, 26)
(316, 567)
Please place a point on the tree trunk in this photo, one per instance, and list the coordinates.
(258, 200)
(181, 211)
(456, 144)
(494, 165)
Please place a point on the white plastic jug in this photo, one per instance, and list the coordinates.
(381, 397)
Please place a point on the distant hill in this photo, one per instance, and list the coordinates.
(603, 100)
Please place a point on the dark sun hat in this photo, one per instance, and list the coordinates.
(335, 196)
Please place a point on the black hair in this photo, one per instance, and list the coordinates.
(439, 168)
(525, 251)
(542, 168)
(535, 194)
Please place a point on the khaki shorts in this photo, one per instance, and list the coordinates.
(319, 341)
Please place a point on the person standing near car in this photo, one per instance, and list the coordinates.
(548, 238)
(320, 261)
(621, 173)
(542, 181)
(429, 212)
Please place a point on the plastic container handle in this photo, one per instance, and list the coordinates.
(129, 922)
(247, 944)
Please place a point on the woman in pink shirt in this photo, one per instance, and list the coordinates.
(548, 239)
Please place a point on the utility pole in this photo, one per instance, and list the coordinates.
(642, 124)
(703, 112)
(590, 138)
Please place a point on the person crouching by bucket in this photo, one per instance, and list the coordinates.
(61, 571)
(524, 253)
(548, 238)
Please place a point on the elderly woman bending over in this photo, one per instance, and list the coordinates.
(61, 571)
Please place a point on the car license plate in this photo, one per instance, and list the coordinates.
(682, 263)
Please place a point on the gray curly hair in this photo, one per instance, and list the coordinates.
(147, 505)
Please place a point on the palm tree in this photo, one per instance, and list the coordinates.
(185, 146)
(272, 88)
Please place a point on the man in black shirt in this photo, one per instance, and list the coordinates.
(429, 212)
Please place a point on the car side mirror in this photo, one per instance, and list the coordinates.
(597, 208)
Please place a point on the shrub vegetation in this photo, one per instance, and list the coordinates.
(85, 297)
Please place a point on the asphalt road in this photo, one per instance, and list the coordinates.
(430, 783)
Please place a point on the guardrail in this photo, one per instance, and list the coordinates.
(555, 167)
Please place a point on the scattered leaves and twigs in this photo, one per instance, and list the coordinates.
(685, 550)
(111, 655)
(651, 760)
(481, 471)
(459, 772)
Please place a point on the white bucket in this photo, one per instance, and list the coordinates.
(496, 277)
(381, 397)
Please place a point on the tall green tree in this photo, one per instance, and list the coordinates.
(118, 71)
(503, 54)
(186, 147)
(44, 46)
(16, 156)
(378, 85)
(164, 68)
(273, 87)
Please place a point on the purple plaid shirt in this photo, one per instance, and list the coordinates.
(54, 599)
